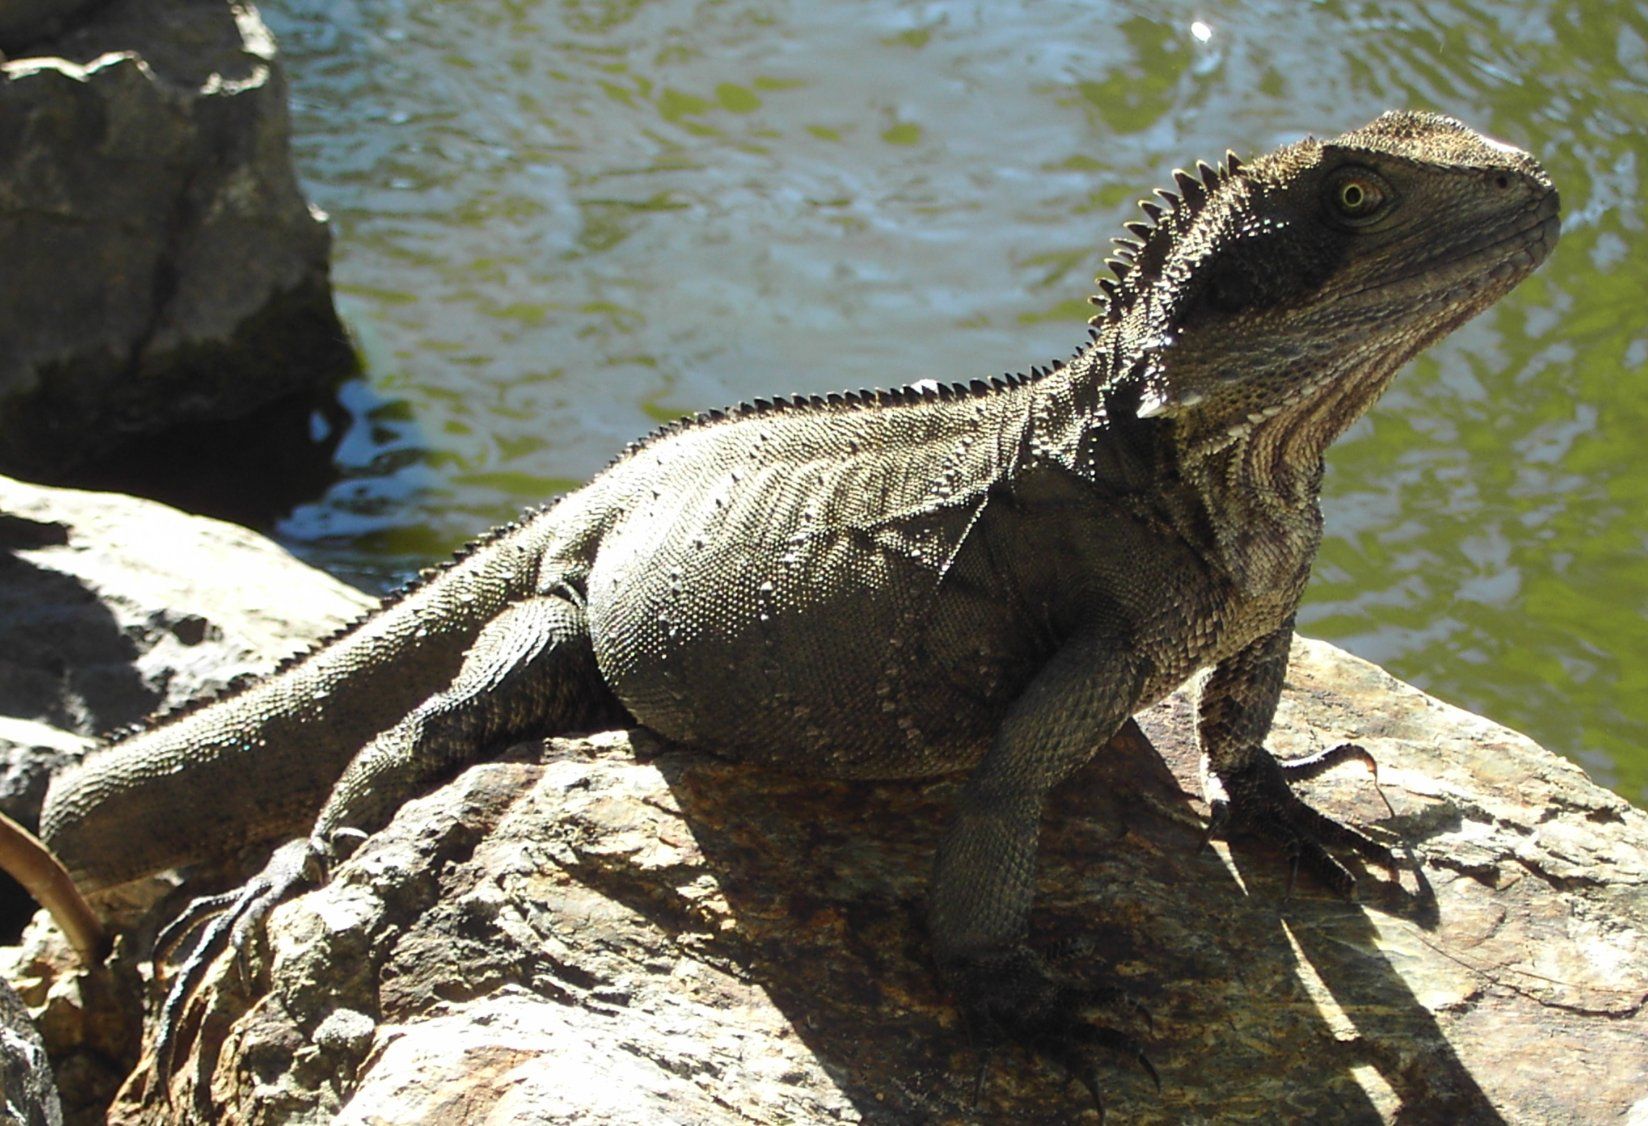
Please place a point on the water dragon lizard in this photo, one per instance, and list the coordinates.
(988, 577)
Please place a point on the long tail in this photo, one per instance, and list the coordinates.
(257, 765)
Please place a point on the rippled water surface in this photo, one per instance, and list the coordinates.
(560, 223)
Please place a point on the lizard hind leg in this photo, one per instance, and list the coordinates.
(531, 669)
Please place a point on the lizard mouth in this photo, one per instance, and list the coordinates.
(1496, 266)
(1526, 247)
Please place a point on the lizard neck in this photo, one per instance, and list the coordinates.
(1085, 420)
(1276, 456)
(1238, 475)
(1262, 478)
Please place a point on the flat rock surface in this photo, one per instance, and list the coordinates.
(612, 930)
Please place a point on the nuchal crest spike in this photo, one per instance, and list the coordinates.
(1138, 258)
(1190, 188)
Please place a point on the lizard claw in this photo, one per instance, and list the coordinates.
(1012, 995)
(1080, 1066)
(191, 919)
(231, 921)
(1256, 799)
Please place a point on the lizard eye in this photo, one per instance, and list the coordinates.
(1357, 196)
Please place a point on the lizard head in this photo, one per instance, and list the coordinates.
(1293, 287)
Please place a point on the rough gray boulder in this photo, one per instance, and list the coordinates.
(28, 1096)
(161, 264)
(23, 22)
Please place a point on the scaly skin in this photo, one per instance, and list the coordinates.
(989, 578)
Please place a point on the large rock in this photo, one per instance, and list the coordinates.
(161, 264)
(587, 933)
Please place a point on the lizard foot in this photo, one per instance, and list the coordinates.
(1256, 798)
(230, 921)
(1013, 996)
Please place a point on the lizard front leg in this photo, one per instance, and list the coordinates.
(985, 870)
(1249, 790)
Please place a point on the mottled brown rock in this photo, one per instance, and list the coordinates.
(580, 934)
(162, 265)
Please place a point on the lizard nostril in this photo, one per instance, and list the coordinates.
(1502, 181)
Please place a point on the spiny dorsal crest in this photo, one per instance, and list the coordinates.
(1139, 257)
(1135, 266)
(869, 398)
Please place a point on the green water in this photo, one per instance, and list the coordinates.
(559, 223)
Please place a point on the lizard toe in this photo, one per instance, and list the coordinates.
(230, 922)
(1321, 762)
(1261, 802)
